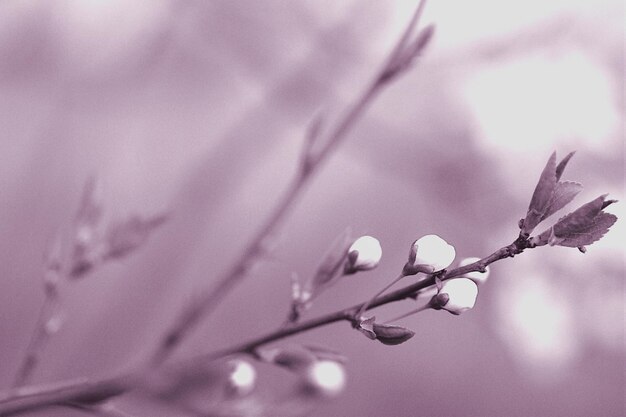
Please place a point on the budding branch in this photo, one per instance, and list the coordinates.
(89, 392)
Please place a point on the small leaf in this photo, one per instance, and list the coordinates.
(294, 358)
(564, 193)
(366, 326)
(129, 234)
(392, 335)
(608, 203)
(330, 266)
(597, 228)
(579, 218)
(561, 167)
(541, 196)
(582, 227)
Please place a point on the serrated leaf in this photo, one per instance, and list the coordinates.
(563, 194)
(593, 232)
(392, 335)
(541, 196)
(582, 227)
(579, 219)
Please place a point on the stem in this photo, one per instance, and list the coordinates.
(410, 313)
(348, 313)
(362, 310)
(83, 391)
(30, 398)
(104, 410)
(38, 340)
(208, 300)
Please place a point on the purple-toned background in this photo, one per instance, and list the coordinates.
(200, 108)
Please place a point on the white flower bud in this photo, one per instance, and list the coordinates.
(325, 377)
(457, 295)
(363, 254)
(478, 277)
(433, 252)
(242, 377)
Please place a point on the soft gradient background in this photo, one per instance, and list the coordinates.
(200, 108)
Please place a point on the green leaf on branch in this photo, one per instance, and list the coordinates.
(563, 194)
(584, 226)
(541, 196)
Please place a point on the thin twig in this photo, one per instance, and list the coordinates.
(410, 313)
(103, 410)
(45, 325)
(208, 300)
(36, 344)
(348, 314)
(30, 398)
(378, 294)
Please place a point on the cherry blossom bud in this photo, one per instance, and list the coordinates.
(456, 295)
(326, 378)
(242, 377)
(428, 254)
(478, 277)
(364, 254)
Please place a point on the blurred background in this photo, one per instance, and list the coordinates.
(199, 108)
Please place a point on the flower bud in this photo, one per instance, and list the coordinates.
(478, 277)
(430, 253)
(456, 295)
(363, 254)
(388, 334)
(242, 377)
(326, 378)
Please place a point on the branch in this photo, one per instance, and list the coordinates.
(48, 320)
(37, 342)
(208, 300)
(348, 314)
(70, 393)
(30, 398)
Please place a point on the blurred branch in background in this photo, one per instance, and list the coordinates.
(399, 60)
